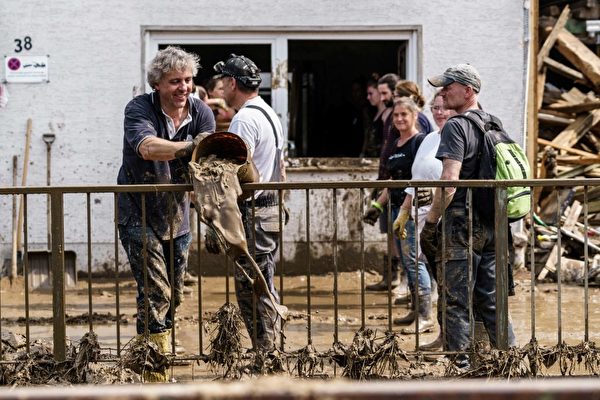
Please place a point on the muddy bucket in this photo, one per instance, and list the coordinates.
(228, 146)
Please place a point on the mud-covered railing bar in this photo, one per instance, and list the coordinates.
(442, 271)
(388, 261)
(227, 263)
(199, 284)
(470, 275)
(117, 278)
(308, 271)
(558, 269)
(336, 311)
(501, 241)
(281, 261)
(361, 232)
(254, 296)
(88, 215)
(145, 267)
(417, 294)
(171, 276)
(532, 266)
(25, 277)
(586, 267)
(58, 276)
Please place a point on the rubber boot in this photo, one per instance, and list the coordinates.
(426, 323)
(162, 342)
(382, 285)
(433, 346)
(408, 318)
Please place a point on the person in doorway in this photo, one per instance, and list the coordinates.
(374, 136)
(425, 167)
(385, 86)
(460, 142)
(257, 123)
(223, 112)
(160, 130)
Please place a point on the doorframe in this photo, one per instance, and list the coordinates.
(277, 37)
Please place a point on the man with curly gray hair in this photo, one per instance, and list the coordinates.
(160, 130)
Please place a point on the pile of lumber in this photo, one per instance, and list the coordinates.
(568, 138)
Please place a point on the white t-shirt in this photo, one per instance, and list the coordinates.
(425, 165)
(252, 126)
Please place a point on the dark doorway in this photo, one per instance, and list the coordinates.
(327, 96)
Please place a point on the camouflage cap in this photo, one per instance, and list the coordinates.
(465, 74)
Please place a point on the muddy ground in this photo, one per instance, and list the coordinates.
(192, 328)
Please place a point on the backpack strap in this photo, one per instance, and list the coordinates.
(268, 119)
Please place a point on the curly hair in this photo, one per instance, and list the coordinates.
(170, 59)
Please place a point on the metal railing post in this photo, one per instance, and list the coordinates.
(501, 239)
(58, 275)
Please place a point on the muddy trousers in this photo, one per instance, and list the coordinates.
(457, 281)
(163, 279)
(265, 243)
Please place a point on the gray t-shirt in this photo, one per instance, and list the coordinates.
(460, 141)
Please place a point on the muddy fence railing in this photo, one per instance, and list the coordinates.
(347, 359)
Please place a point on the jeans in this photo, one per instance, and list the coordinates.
(160, 280)
(268, 321)
(409, 259)
(457, 284)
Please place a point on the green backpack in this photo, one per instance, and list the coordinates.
(500, 158)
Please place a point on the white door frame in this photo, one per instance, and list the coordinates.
(277, 38)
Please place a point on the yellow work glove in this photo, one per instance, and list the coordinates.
(400, 223)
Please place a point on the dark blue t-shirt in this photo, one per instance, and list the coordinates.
(143, 118)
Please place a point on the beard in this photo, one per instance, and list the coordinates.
(388, 103)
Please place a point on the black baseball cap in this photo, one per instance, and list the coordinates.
(242, 69)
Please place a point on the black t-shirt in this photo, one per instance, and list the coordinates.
(460, 141)
(399, 165)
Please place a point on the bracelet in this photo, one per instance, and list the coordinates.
(377, 205)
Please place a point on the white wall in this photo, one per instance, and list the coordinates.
(95, 50)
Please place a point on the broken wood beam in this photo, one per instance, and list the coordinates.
(571, 150)
(575, 108)
(578, 160)
(552, 119)
(575, 131)
(564, 70)
(579, 55)
(552, 37)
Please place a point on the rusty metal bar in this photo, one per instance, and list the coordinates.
(470, 275)
(254, 299)
(335, 268)
(532, 264)
(171, 271)
(89, 257)
(308, 271)
(200, 304)
(501, 239)
(586, 315)
(417, 297)
(388, 264)
(145, 266)
(281, 260)
(361, 232)
(25, 277)
(442, 270)
(558, 268)
(58, 276)
(117, 291)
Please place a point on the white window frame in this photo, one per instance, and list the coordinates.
(277, 38)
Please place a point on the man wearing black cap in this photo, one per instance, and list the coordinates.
(459, 152)
(259, 126)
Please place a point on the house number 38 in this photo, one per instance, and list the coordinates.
(23, 44)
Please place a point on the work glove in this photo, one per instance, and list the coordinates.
(187, 151)
(212, 242)
(373, 213)
(429, 241)
(424, 196)
(400, 224)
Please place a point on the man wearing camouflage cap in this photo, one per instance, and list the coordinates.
(459, 152)
(258, 124)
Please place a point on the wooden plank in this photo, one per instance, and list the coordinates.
(579, 55)
(563, 69)
(532, 93)
(575, 108)
(545, 142)
(578, 160)
(556, 252)
(575, 131)
(551, 119)
(552, 37)
(540, 82)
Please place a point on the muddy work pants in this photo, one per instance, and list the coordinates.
(457, 280)
(159, 276)
(268, 322)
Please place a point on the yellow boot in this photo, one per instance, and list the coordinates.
(161, 340)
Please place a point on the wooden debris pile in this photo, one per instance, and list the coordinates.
(568, 93)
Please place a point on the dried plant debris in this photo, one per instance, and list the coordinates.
(385, 359)
(142, 354)
(226, 350)
(38, 367)
(308, 363)
(82, 319)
